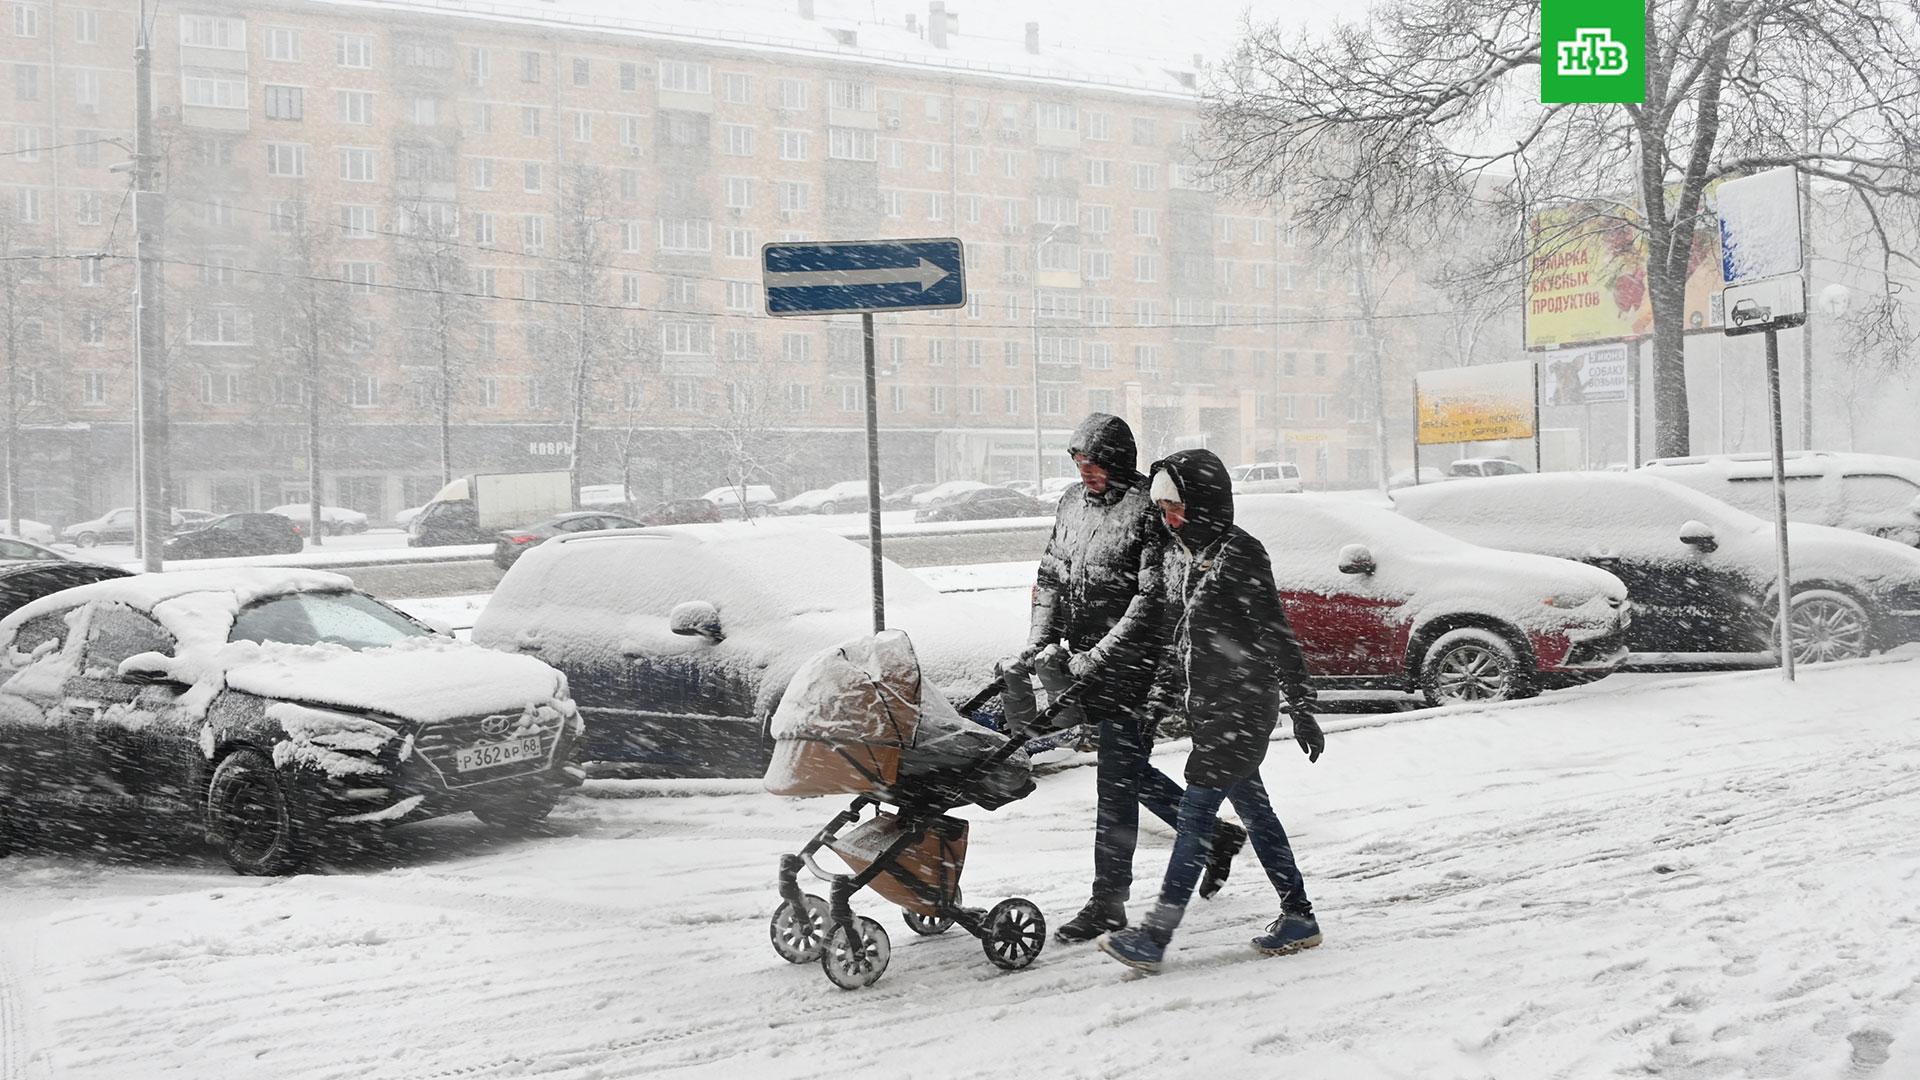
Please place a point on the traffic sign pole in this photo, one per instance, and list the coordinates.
(873, 480)
(1785, 643)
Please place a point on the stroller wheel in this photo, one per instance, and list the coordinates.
(930, 925)
(1016, 931)
(798, 934)
(857, 960)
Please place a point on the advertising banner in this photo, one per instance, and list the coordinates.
(1587, 280)
(1475, 404)
(1585, 377)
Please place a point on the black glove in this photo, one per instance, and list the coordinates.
(1306, 732)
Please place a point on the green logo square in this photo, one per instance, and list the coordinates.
(1593, 50)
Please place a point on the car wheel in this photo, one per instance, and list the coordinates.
(521, 814)
(86, 539)
(1471, 665)
(1826, 625)
(252, 817)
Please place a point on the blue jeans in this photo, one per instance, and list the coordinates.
(1199, 813)
(1126, 781)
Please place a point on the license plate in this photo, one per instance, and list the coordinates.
(489, 755)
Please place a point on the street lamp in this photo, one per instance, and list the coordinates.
(1039, 466)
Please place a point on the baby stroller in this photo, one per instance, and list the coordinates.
(858, 720)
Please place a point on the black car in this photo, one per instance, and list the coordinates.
(22, 583)
(232, 535)
(984, 503)
(141, 701)
(682, 512)
(514, 543)
(15, 550)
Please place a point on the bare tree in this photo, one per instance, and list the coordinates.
(438, 308)
(23, 306)
(1431, 104)
(314, 325)
(753, 428)
(586, 224)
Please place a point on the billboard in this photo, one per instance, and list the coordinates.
(1475, 404)
(1587, 279)
(1596, 376)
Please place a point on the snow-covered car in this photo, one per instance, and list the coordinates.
(985, 503)
(116, 526)
(1875, 494)
(729, 497)
(1055, 486)
(274, 710)
(678, 643)
(1428, 474)
(13, 549)
(1265, 477)
(336, 519)
(232, 535)
(21, 583)
(1381, 602)
(1701, 574)
(845, 497)
(941, 492)
(514, 543)
(405, 517)
(1486, 466)
(33, 532)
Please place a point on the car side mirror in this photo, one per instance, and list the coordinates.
(1914, 506)
(149, 669)
(696, 618)
(1357, 559)
(1698, 536)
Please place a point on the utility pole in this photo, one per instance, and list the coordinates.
(1806, 328)
(150, 355)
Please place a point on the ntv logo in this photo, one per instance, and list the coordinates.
(1592, 52)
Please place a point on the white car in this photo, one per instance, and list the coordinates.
(274, 710)
(1381, 602)
(758, 497)
(1487, 466)
(116, 526)
(1870, 493)
(405, 517)
(945, 490)
(678, 643)
(1266, 477)
(33, 532)
(336, 519)
(845, 497)
(1701, 574)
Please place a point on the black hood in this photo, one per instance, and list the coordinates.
(1207, 491)
(1108, 441)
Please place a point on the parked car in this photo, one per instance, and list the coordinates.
(983, 503)
(33, 532)
(1265, 477)
(1701, 574)
(272, 710)
(471, 509)
(514, 543)
(681, 512)
(193, 519)
(13, 550)
(1489, 466)
(678, 643)
(759, 499)
(116, 526)
(1871, 493)
(945, 490)
(236, 534)
(21, 583)
(336, 520)
(845, 497)
(1381, 602)
(902, 498)
(404, 518)
(1428, 474)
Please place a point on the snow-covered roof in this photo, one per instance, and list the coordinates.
(1798, 463)
(1151, 52)
(143, 592)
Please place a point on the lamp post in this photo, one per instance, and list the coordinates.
(1039, 466)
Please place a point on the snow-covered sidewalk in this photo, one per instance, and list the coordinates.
(1713, 877)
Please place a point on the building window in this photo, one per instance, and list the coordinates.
(796, 347)
(582, 127)
(1146, 268)
(531, 176)
(358, 275)
(26, 82)
(213, 93)
(357, 222)
(738, 139)
(740, 295)
(736, 88)
(286, 159)
(530, 121)
(365, 391)
(355, 106)
(582, 72)
(793, 145)
(219, 387)
(685, 234)
(793, 196)
(93, 388)
(1146, 357)
(739, 192)
(529, 66)
(206, 31)
(681, 77)
(629, 77)
(284, 102)
(851, 144)
(479, 65)
(356, 164)
(792, 94)
(354, 51)
(87, 212)
(739, 243)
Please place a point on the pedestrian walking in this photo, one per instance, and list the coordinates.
(1230, 656)
(1087, 596)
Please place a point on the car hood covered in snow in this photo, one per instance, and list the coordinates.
(422, 679)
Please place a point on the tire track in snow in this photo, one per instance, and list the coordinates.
(13, 1025)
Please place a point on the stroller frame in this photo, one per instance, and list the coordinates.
(854, 950)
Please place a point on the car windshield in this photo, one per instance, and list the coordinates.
(337, 618)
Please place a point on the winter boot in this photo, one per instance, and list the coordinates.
(1099, 916)
(1144, 948)
(1228, 839)
(1288, 934)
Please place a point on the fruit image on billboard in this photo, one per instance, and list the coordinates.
(1587, 279)
(1475, 404)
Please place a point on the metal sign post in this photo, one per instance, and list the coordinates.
(1766, 291)
(865, 276)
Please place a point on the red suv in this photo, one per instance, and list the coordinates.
(1381, 602)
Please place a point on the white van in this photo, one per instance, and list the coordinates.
(1870, 493)
(1266, 478)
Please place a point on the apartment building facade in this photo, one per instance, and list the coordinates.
(453, 202)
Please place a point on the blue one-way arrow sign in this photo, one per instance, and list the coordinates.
(837, 277)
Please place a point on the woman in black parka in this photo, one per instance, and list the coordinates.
(1229, 656)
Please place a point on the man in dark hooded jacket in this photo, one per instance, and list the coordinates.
(1088, 595)
(1229, 655)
